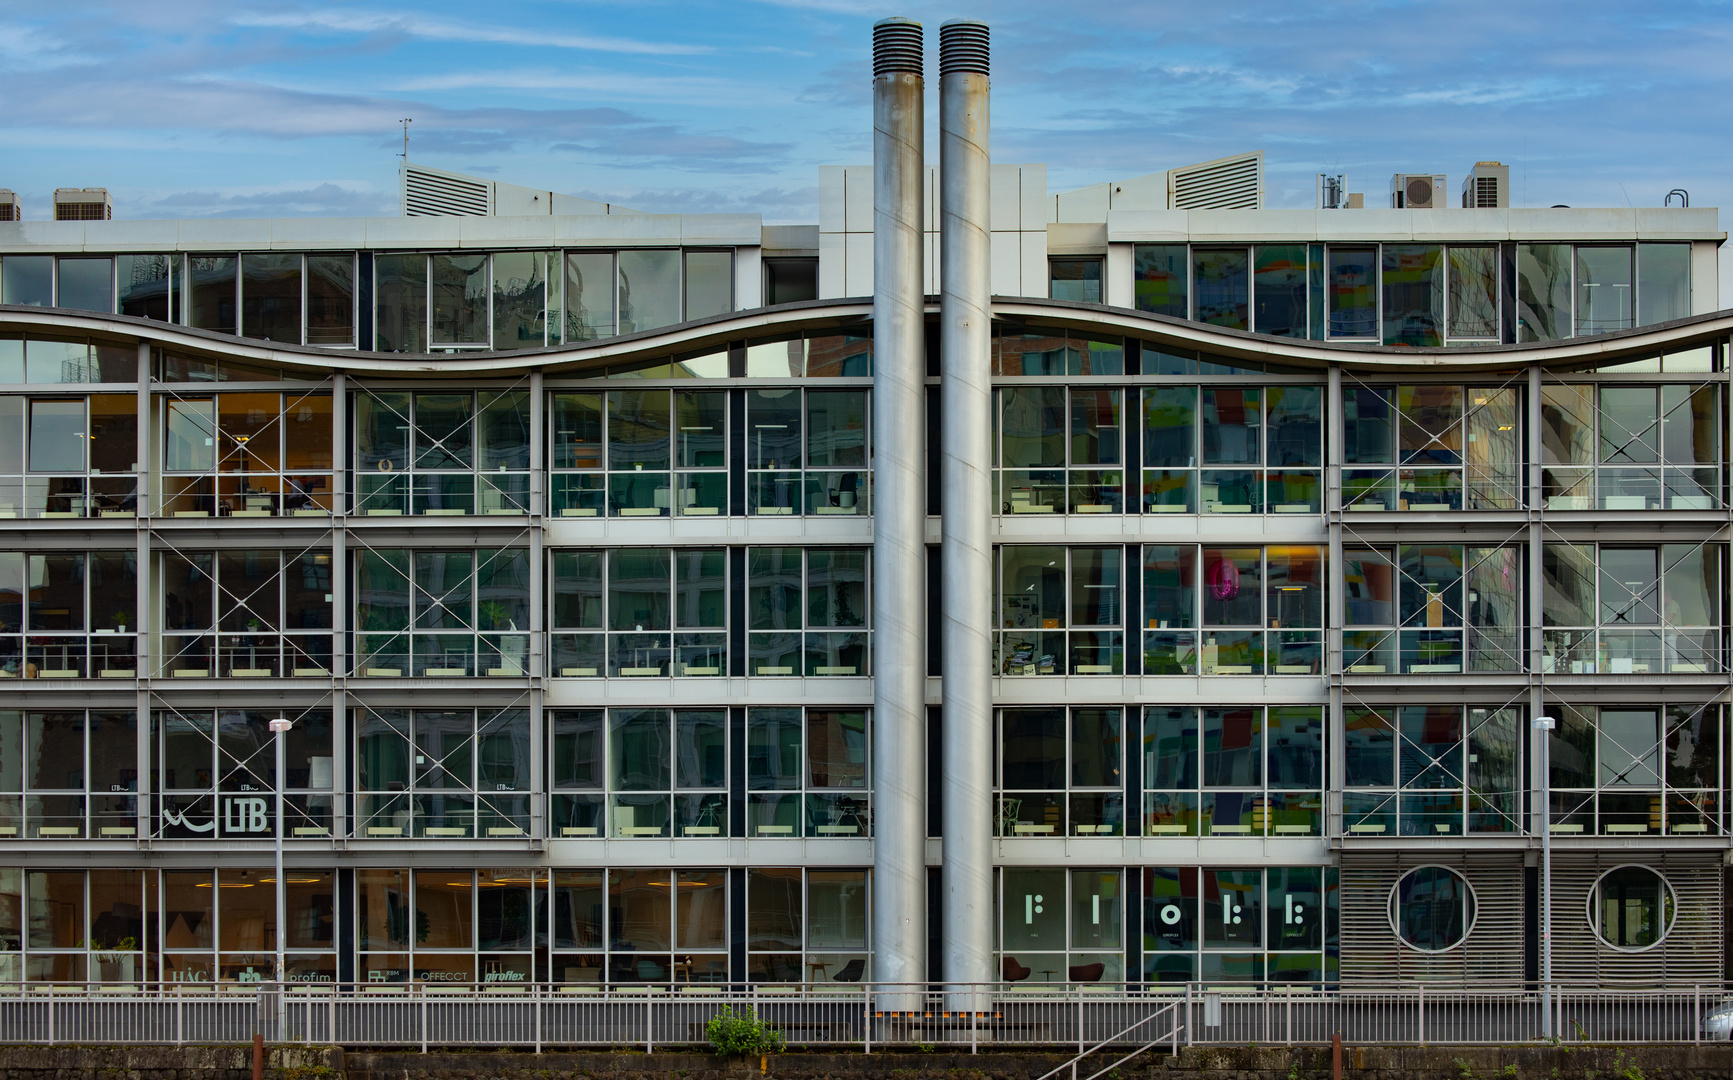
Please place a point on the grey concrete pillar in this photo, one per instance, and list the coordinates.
(966, 396)
(899, 511)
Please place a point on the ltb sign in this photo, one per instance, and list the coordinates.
(237, 815)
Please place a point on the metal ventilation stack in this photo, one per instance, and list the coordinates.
(965, 336)
(899, 512)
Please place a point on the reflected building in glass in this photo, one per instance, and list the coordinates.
(555, 544)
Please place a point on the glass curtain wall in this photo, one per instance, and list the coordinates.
(216, 772)
(246, 614)
(1233, 611)
(442, 773)
(1059, 611)
(1432, 770)
(808, 773)
(1060, 772)
(441, 614)
(1234, 771)
(445, 454)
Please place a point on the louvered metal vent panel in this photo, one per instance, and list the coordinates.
(429, 194)
(1490, 957)
(1234, 184)
(1486, 191)
(1688, 955)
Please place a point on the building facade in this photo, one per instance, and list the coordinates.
(550, 525)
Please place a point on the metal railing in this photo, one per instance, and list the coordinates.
(1081, 1018)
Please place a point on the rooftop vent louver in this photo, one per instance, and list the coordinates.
(1487, 186)
(429, 193)
(897, 47)
(963, 48)
(9, 208)
(1232, 183)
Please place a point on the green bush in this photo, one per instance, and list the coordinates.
(743, 1033)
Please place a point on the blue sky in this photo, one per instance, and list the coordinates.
(239, 108)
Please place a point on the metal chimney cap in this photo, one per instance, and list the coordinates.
(963, 47)
(897, 47)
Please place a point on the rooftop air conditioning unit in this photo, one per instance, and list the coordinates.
(1414, 191)
(1487, 186)
(82, 204)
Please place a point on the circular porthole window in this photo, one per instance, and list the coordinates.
(1432, 908)
(1631, 907)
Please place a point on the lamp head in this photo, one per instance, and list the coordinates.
(1544, 723)
(280, 725)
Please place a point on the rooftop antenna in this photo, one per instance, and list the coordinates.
(406, 122)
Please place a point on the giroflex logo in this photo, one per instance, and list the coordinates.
(241, 815)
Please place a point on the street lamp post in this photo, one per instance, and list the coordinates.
(280, 728)
(1543, 726)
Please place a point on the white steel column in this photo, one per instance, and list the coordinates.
(965, 345)
(899, 513)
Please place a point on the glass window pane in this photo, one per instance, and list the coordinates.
(1233, 587)
(1296, 738)
(1473, 292)
(57, 436)
(1296, 587)
(836, 437)
(1033, 909)
(1663, 283)
(702, 422)
(836, 746)
(1413, 294)
(1431, 746)
(27, 280)
(1279, 290)
(1630, 586)
(1095, 586)
(401, 284)
(142, 286)
(577, 431)
(1296, 424)
(1603, 289)
(639, 753)
(1630, 748)
(709, 283)
(1170, 748)
(1690, 433)
(702, 596)
(1033, 587)
(1567, 425)
(1233, 914)
(701, 748)
(1633, 907)
(773, 760)
(1370, 748)
(1233, 747)
(1629, 425)
(773, 909)
(638, 429)
(1032, 749)
(519, 300)
(1162, 272)
(775, 579)
(836, 909)
(836, 587)
(87, 284)
(381, 431)
(1431, 585)
(1033, 426)
(1074, 279)
(1353, 292)
(1543, 292)
(1231, 418)
(211, 303)
(271, 296)
(577, 749)
(444, 902)
(1430, 421)
(459, 299)
(56, 585)
(1170, 426)
(1221, 280)
(1095, 914)
(1095, 430)
(649, 290)
(503, 431)
(638, 589)
(1095, 748)
(1693, 584)
(589, 295)
(1169, 588)
(331, 299)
